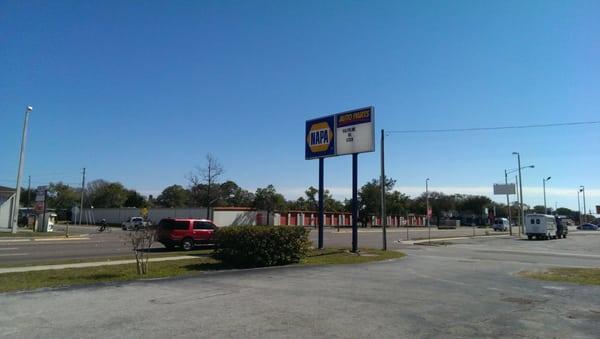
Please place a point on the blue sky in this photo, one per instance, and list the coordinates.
(140, 91)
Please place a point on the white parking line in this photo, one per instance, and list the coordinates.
(12, 254)
(8, 248)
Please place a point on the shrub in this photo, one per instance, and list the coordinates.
(257, 246)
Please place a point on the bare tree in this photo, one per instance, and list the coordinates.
(207, 175)
(140, 241)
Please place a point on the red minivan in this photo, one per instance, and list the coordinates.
(185, 232)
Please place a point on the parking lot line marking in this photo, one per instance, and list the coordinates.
(8, 248)
(12, 254)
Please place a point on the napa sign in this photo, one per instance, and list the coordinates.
(342, 133)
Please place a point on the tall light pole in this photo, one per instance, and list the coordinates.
(15, 209)
(579, 207)
(544, 184)
(427, 206)
(520, 188)
(582, 189)
(506, 173)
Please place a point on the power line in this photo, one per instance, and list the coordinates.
(492, 128)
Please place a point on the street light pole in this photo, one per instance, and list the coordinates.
(508, 204)
(520, 189)
(544, 184)
(579, 207)
(15, 209)
(584, 207)
(382, 183)
(427, 206)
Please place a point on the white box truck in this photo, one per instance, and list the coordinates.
(540, 226)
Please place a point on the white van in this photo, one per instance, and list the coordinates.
(540, 226)
(501, 224)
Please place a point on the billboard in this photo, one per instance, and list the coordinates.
(503, 189)
(342, 133)
(355, 131)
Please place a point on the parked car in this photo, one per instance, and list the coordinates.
(185, 233)
(588, 227)
(134, 223)
(501, 224)
(540, 226)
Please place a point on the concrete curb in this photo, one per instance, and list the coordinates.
(11, 240)
(412, 242)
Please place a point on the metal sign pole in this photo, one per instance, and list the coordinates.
(382, 183)
(354, 202)
(321, 209)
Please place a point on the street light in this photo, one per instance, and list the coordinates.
(520, 189)
(506, 173)
(15, 207)
(427, 206)
(579, 207)
(544, 184)
(582, 189)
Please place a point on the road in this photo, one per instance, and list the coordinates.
(102, 245)
(99, 245)
(466, 289)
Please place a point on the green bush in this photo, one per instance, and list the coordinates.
(257, 246)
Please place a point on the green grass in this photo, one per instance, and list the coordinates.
(162, 269)
(582, 276)
(100, 259)
(344, 256)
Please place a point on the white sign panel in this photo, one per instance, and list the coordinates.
(504, 189)
(40, 194)
(355, 131)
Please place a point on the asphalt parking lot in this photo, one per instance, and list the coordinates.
(468, 288)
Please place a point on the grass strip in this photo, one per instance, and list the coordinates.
(162, 269)
(582, 276)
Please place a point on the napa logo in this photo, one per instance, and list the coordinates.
(319, 138)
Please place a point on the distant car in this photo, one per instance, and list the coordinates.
(134, 223)
(588, 227)
(185, 233)
(501, 224)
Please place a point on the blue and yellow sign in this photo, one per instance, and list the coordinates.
(320, 141)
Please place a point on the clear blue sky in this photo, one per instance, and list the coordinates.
(140, 91)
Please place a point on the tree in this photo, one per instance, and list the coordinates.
(134, 199)
(269, 200)
(209, 176)
(62, 196)
(230, 194)
(539, 209)
(104, 194)
(174, 196)
(369, 198)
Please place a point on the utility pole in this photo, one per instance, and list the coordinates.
(519, 204)
(520, 189)
(382, 183)
(15, 207)
(29, 191)
(508, 204)
(82, 191)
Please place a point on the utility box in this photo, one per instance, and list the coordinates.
(45, 222)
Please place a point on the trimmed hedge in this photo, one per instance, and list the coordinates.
(257, 246)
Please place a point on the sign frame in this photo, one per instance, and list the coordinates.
(310, 154)
(505, 189)
(371, 121)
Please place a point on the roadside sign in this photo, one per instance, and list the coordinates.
(597, 209)
(40, 194)
(504, 189)
(429, 212)
(319, 138)
(355, 131)
(39, 207)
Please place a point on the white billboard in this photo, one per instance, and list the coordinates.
(504, 189)
(355, 131)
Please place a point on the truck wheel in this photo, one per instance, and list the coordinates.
(187, 244)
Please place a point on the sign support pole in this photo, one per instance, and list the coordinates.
(321, 209)
(354, 202)
(508, 204)
(44, 213)
(382, 183)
